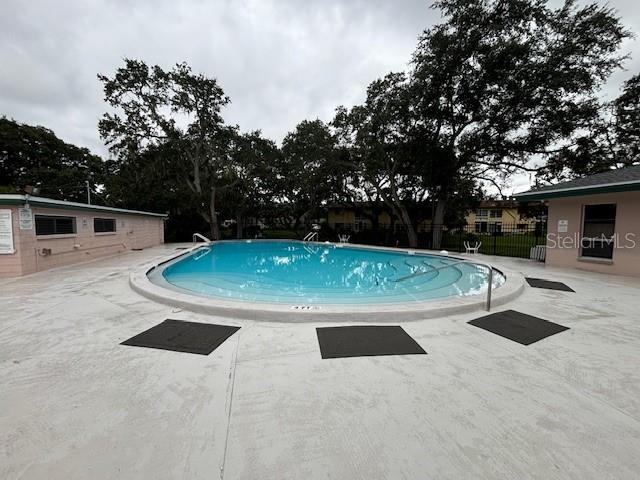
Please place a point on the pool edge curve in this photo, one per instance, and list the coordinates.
(140, 283)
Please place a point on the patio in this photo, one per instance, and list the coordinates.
(76, 404)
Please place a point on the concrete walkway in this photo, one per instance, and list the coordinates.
(74, 404)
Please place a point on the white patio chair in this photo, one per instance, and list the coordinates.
(472, 249)
(344, 238)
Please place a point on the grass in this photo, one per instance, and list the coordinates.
(508, 245)
(285, 234)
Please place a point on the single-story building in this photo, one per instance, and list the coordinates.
(594, 221)
(39, 233)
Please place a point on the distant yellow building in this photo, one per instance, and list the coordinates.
(346, 217)
(492, 215)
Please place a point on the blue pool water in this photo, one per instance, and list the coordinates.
(299, 273)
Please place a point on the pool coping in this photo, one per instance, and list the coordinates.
(139, 281)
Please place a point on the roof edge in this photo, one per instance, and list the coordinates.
(629, 186)
(18, 199)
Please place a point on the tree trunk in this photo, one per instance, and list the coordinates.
(239, 226)
(412, 236)
(215, 230)
(436, 226)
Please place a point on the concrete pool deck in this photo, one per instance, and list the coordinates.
(74, 404)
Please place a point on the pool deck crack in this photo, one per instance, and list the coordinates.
(232, 383)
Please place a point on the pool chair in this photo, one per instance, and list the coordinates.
(475, 248)
(344, 238)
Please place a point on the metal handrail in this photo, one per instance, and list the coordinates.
(472, 262)
(201, 237)
(309, 236)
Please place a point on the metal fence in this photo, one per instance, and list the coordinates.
(511, 240)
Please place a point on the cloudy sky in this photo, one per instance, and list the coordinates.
(279, 61)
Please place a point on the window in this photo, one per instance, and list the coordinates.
(481, 227)
(54, 225)
(481, 212)
(495, 227)
(362, 223)
(495, 213)
(597, 230)
(101, 225)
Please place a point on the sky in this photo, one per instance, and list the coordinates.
(280, 61)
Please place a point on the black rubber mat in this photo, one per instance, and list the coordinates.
(364, 341)
(519, 327)
(548, 284)
(181, 336)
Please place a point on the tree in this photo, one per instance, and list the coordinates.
(626, 111)
(252, 178)
(381, 138)
(150, 181)
(499, 84)
(611, 140)
(32, 155)
(308, 171)
(496, 85)
(176, 108)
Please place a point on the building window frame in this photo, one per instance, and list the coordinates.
(49, 225)
(597, 234)
(104, 225)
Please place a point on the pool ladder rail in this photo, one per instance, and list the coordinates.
(197, 236)
(310, 237)
(460, 261)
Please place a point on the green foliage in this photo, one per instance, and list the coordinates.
(494, 86)
(175, 111)
(309, 174)
(611, 140)
(498, 87)
(31, 155)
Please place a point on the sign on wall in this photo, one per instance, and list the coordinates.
(563, 226)
(25, 216)
(6, 233)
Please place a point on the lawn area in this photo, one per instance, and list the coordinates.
(507, 244)
(285, 234)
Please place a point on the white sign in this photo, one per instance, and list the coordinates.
(26, 218)
(6, 233)
(563, 226)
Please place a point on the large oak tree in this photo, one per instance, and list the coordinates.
(495, 86)
(154, 108)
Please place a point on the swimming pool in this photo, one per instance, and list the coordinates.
(298, 273)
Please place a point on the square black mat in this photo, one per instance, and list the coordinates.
(519, 327)
(180, 336)
(548, 284)
(363, 341)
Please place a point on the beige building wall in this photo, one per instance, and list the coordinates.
(510, 216)
(346, 216)
(132, 231)
(563, 248)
